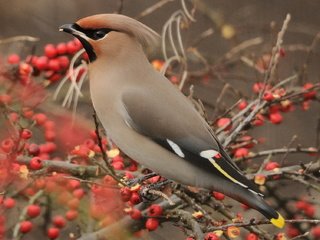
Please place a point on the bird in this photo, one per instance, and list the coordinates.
(149, 119)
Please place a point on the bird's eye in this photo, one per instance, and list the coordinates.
(99, 34)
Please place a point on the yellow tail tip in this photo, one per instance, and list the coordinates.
(278, 222)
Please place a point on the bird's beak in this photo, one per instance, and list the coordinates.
(73, 29)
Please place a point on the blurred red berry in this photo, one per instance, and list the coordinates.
(5, 99)
(218, 196)
(54, 65)
(152, 224)
(9, 202)
(33, 210)
(13, 59)
(292, 231)
(315, 232)
(26, 133)
(35, 163)
(53, 232)
(61, 48)
(59, 221)
(73, 203)
(64, 62)
(135, 198)
(310, 210)
(50, 51)
(259, 120)
(40, 118)
(222, 122)
(282, 52)
(276, 118)
(125, 193)
(135, 214)
(268, 96)
(118, 165)
(301, 205)
(271, 166)
(242, 105)
(310, 94)
(7, 145)
(71, 47)
(155, 210)
(71, 215)
(211, 236)
(33, 149)
(78, 193)
(25, 226)
(241, 152)
(41, 63)
(50, 135)
(252, 236)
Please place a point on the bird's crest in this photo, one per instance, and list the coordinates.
(147, 37)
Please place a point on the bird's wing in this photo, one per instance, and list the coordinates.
(176, 126)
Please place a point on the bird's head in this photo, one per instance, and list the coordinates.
(101, 32)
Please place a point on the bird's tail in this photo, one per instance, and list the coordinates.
(255, 201)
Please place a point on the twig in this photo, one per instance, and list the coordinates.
(153, 8)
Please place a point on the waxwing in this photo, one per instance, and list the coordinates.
(149, 119)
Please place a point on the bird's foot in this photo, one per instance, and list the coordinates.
(152, 191)
(139, 180)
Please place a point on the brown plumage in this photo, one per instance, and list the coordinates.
(148, 118)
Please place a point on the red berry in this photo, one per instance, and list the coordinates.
(7, 145)
(26, 134)
(5, 99)
(73, 184)
(315, 232)
(50, 51)
(222, 122)
(33, 210)
(241, 152)
(135, 198)
(155, 210)
(282, 52)
(33, 149)
(50, 135)
(242, 105)
(71, 215)
(268, 96)
(40, 118)
(152, 224)
(292, 231)
(217, 195)
(301, 205)
(41, 63)
(74, 203)
(309, 94)
(13, 59)
(135, 214)
(14, 117)
(35, 163)
(78, 193)
(252, 236)
(211, 236)
(49, 125)
(259, 121)
(25, 226)
(310, 210)
(271, 166)
(61, 48)
(125, 193)
(118, 165)
(256, 87)
(72, 48)
(53, 232)
(9, 203)
(64, 62)
(54, 65)
(276, 118)
(59, 221)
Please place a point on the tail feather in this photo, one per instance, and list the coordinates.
(254, 201)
